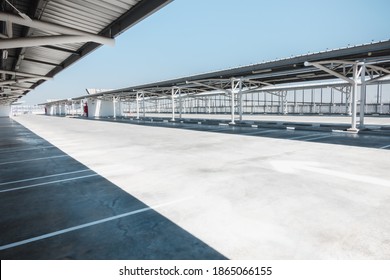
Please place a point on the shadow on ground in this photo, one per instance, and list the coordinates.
(49, 202)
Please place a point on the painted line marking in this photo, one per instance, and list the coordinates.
(317, 138)
(35, 159)
(59, 232)
(385, 147)
(43, 177)
(27, 149)
(216, 130)
(259, 132)
(292, 167)
(48, 183)
(304, 136)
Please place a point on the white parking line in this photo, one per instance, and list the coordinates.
(317, 138)
(221, 129)
(259, 132)
(48, 235)
(43, 177)
(385, 147)
(47, 183)
(34, 159)
(10, 150)
(304, 136)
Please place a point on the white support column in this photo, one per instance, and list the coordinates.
(280, 95)
(143, 105)
(232, 103)
(354, 99)
(137, 99)
(173, 104)
(240, 96)
(180, 104)
(284, 96)
(362, 94)
(353, 82)
(120, 114)
(114, 107)
(380, 94)
(348, 100)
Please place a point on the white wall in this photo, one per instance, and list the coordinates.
(5, 110)
(61, 109)
(51, 109)
(100, 108)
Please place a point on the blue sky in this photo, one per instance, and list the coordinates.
(193, 36)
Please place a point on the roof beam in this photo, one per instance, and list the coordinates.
(33, 12)
(47, 26)
(16, 92)
(60, 49)
(22, 74)
(17, 81)
(206, 85)
(43, 41)
(329, 71)
(19, 88)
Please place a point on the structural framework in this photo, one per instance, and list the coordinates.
(269, 87)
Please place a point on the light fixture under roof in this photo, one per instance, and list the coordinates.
(261, 71)
(5, 54)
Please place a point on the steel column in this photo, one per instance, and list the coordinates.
(240, 96)
(232, 103)
(173, 103)
(113, 104)
(143, 105)
(354, 100)
(180, 104)
(362, 94)
(137, 99)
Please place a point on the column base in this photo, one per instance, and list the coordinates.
(353, 130)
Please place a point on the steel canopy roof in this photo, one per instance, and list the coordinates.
(40, 38)
(268, 75)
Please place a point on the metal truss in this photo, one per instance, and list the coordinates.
(353, 72)
(68, 35)
(341, 75)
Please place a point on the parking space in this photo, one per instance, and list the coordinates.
(54, 207)
(337, 137)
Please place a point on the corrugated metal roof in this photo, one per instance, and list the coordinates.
(106, 18)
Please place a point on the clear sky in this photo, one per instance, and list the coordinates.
(188, 37)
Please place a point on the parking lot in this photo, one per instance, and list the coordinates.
(87, 189)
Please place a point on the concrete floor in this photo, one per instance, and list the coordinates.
(228, 194)
(48, 201)
(379, 139)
